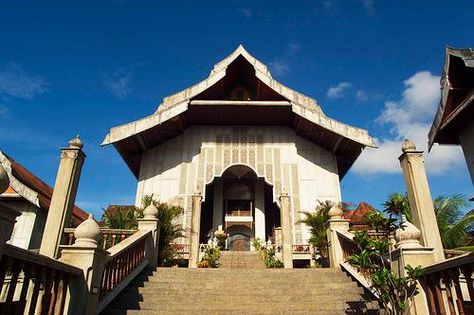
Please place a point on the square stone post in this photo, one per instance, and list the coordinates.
(7, 214)
(195, 227)
(151, 223)
(287, 237)
(64, 197)
(336, 223)
(419, 196)
(408, 251)
(88, 256)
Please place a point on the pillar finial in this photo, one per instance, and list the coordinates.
(76, 143)
(407, 235)
(335, 212)
(408, 145)
(150, 212)
(88, 233)
(4, 180)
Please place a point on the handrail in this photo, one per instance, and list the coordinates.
(124, 259)
(33, 283)
(38, 259)
(450, 253)
(444, 283)
(110, 237)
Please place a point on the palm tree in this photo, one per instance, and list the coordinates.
(452, 223)
(121, 217)
(169, 230)
(398, 205)
(316, 221)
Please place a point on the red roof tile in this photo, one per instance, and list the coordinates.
(44, 191)
(360, 213)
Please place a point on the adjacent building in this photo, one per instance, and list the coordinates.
(32, 197)
(240, 139)
(454, 121)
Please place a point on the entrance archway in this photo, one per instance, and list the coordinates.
(241, 204)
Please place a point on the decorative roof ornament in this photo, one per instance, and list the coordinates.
(407, 235)
(4, 180)
(336, 212)
(408, 145)
(150, 212)
(76, 143)
(88, 233)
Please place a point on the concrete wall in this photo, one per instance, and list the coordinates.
(466, 137)
(28, 230)
(173, 170)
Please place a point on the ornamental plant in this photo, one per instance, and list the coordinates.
(372, 260)
(210, 258)
(267, 254)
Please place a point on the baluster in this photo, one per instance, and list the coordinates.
(15, 271)
(104, 240)
(24, 289)
(457, 288)
(467, 272)
(38, 274)
(114, 237)
(47, 284)
(62, 294)
(438, 295)
(449, 294)
(428, 287)
(54, 293)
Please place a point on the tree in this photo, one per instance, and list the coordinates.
(121, 217)
(452, 223)
(169, 231)
(316, 221)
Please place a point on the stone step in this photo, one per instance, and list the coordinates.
(224, 312)
(326, 290)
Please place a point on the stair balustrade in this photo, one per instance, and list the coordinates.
(124, 258)
(33, 283)
(448, 285)
(110, 237)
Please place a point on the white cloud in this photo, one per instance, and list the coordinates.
(362, 96)
(16, 82)
(245, 12)
(118, 83)
(410, 118)
(338, 90)
(280, 66)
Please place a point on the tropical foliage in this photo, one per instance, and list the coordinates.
(121, 217)
(453, 224)
(268, 254)
(395, 293)
(316, 222)
(169, 230)
(210, 258)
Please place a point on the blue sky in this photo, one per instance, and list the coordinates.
(71, 68)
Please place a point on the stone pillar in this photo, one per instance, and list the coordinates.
(259, 210)
(419, 196)
(336, 223)
(195, 226)
(7, 214)
(64, 197)
(151, 223)
(287, 237)
(408, 251)
(218, 205)
(88, 256)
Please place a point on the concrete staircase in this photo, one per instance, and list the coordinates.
(240, 291)
(240, 260)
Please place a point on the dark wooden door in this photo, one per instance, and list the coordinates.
(239, 245)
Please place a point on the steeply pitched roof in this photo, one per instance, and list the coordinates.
(185, 108)
(457, 96)
(31, 188)
(360, 213)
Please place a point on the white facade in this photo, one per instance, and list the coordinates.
(175, 169)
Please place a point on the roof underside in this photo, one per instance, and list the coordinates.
(239, 92)
(456, 107)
